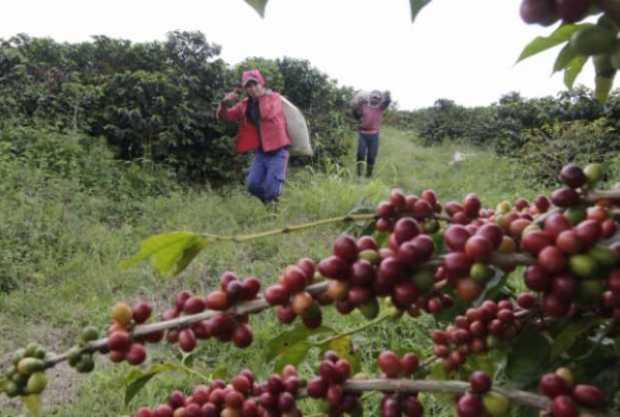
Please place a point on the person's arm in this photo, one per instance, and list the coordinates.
(229, 114)
(386, 101)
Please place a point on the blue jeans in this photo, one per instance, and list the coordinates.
(267, 174)
(368, 147)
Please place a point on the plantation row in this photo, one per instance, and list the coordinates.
(459, 273)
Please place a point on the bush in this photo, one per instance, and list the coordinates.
(56, 186)
(547, 149)
(155, 101)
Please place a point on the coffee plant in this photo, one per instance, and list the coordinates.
(533, 284)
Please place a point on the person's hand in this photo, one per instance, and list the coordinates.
(231, 97)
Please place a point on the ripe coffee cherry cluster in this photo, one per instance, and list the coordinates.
(360, 272)
(467, 211)
(243, 397)
(547, 12)
(292, 299)
(394, 367)
(399, 205)
(476, 403)
(120, 343)
(333, 373)
(478, 330)
(567, 397)
(572, 268)
(466, 267)
(395, 405)
(222, 327)
(26, 376)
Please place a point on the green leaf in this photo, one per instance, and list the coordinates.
(573, 69)
(570, 334)
(528, 357)
(542, 43)
(292, 346)
(566, 55)
(169, 252)
(136, 379)
(258, 5)
(33, 404)
(493, 287)
(416, 7)
(294, 355)
(603, 87)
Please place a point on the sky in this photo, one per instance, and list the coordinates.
(464, 50)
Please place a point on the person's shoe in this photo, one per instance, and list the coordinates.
(369, 169)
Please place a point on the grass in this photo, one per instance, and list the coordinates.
(78, 288)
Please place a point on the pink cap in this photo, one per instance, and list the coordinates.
(252, 75)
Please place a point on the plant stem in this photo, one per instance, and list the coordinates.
(290, 229)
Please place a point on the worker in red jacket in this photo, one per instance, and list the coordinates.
(262, 129)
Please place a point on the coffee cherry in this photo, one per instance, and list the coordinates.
(317, 388)
(390, 364)
(552, 260)
(195, 305)
(480, 382)
(285, 314)
(589, 231)
(345, 248)
(242, 336)
(571, 11)
(216, 300)
(276, 295)
(122, 314)
(119, 341)
(163, 410)
(478, 248)
(334, 267)
(141, 312)
(187, 340)
(176, 399)
(563, 406)
(572, 176)
(552, 385)
(455, 237)
(535, 242)
(136, 354)
(406, 229)
(409, 363)
(496, 405)
(294, 279)
(144, 412)
(469, 405)
(589, 396)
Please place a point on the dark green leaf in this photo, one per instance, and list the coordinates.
(258, 5)
(293, 355)
(542, 43)
(573, 69)
(137, 379)
(570, 333)
(566, 55)
(603, 87)
(169, 252)
(416, 6)
(286, 339)
(528, 356)
(493, 287)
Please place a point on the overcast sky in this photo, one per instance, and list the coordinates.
(464, 50)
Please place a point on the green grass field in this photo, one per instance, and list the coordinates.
(79, 287)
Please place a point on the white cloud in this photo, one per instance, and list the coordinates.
(463, 50)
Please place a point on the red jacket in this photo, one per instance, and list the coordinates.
(273, 132)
